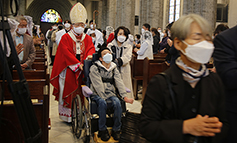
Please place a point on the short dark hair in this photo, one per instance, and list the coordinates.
(67, 21)
(138, 36)
(102, 48)
(91, 22)
(220, 28)
(147, 26)
(125, 32)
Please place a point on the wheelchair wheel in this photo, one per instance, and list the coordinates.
(76, 113)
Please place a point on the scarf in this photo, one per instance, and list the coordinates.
(191, 75)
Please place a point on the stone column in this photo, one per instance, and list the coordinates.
(102, 17)
(151, 12)
(232, 17)
(22, 7)
(205, 8)
(111, 13)
(125, 14)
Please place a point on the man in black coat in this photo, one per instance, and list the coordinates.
(225, 59)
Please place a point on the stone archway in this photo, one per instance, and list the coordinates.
(38, 7)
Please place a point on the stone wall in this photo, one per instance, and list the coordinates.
(151, 12)
(125, 14)
(205, 8)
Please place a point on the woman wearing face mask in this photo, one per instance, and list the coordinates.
(122, 54)
(74, 47)
(187, 104)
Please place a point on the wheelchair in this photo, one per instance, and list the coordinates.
(84, 117)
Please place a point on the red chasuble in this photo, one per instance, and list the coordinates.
(65, 57)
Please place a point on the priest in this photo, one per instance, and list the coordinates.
(74, 47)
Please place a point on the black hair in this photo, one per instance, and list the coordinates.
(138, 36)
(220, 28)
(169, 25)
(155, 31)
(60, 27)
(166, 31)
(104, 32)
(91, 22)
(102, 48)
(67, 21)
(147, 26)
(125, 32)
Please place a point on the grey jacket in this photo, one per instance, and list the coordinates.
(29, 50)
(106, 89)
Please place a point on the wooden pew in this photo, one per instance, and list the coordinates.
(36, 87)
(38, 81)
(39, 65)
(40, 59)
(160, 56)
(31, 74)
(150, 68)
(137, 73)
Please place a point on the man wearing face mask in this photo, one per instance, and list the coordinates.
(24, 44)
(74, 47)
(50, 45)
(98, 36)
(104, 77)
(55, 45)
(60, 33)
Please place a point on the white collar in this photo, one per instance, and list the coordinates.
(112, 65)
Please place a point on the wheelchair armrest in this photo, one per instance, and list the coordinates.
(86, 91)
(127, 90)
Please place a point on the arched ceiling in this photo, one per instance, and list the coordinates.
(38, 7)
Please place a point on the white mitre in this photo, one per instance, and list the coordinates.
(78, 13)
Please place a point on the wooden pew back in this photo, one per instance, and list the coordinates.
(150, 69)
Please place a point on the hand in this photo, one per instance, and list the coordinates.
(128, 100)
(138, 45)
(24, 66)
(213, 70)
(202, 126)
(81, 67)
(19, 48)
(89, 57)
(162, 51)
(170, 42)
(135, 49)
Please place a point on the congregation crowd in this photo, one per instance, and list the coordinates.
(187, 103)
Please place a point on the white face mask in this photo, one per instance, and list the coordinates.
(55, 27)
(169, 35)
(92, 26)
(107, 58)
(78, 30)
(67, 25)
(143, 30)
(159, 31)
(93, 39)
(121, 38)
(200, 52)
(21, 31)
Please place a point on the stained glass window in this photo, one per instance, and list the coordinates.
(51, 16)
(174, 10)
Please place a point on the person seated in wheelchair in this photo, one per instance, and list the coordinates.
(105, 79)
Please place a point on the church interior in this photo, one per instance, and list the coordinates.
(106, 16)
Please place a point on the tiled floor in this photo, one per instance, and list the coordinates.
(60, 131)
